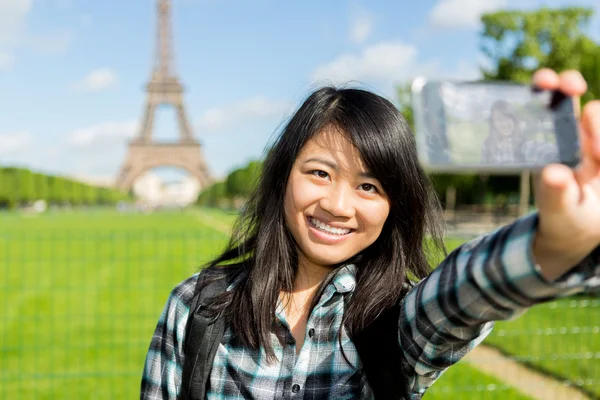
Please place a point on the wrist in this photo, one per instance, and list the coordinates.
(556, 256)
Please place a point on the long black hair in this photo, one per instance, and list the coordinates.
(490, 143)
(265, 247)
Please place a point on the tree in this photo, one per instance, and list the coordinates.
(214, 195)
(41, 186)
(90, 194)
(57, 190)
(590, 69)
(405, 104)
(519, 42)
(240, 182)
(7, 188)
(26, 186)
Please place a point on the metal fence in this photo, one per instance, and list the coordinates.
(78, 308)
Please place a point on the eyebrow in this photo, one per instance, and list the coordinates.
(334, 166)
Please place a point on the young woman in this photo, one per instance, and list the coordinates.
(507, 143)
(504, 144)
(334, 237)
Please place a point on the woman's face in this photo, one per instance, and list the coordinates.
(504, 124)
(334, 207)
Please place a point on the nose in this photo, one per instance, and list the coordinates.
(339, 201)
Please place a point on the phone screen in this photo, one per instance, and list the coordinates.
(492, 127)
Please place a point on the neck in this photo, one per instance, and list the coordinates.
(309, 276)
(307, 280)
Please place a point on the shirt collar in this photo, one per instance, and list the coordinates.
(344, 280)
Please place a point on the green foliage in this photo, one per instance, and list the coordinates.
(405, 104)
(590, 69)
(237, 186)
(8, 194)
(41, 186)
(214, 196)
(90, 194)
(517, 43)
(57, 188)
(241, 181)
(26, 186)
(21, 186)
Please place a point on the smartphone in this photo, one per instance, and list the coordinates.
(492, 127)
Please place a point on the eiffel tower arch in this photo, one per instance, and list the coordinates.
(164, 88)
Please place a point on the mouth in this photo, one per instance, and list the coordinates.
(323, 227)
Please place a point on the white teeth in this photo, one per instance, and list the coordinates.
(329, 229)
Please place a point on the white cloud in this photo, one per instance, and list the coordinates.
(361, 28)
(257, 107)
(12, 143)
(102, 136)
(463, 70)
(382, 61)
(15, 36)
(462, 13)
(98, 79)
(12, 16)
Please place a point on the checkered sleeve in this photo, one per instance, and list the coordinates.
(161, 378)
(490, 278)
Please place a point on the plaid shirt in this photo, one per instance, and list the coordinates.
(502, 151)
(442, 319)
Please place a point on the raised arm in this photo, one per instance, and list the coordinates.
(491, 278)
(545, 255)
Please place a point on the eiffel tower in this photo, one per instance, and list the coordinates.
(163, 88)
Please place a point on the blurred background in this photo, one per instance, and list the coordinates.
(131, 133)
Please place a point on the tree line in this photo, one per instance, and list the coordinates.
(234, 189)
(20, 187)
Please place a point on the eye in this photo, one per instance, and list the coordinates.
(367, 187)
(319, 173)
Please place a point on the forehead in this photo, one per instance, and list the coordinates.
(333, 143)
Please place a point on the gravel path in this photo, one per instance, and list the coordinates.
(524, 379)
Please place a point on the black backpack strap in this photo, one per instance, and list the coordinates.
(381, 356)
(203, 336)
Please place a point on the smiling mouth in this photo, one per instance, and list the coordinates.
(315, 223)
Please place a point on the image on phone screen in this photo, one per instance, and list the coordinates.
(493, 126)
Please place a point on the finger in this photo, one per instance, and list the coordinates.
(590, 130)
(546, 79)
(557, 188)
(572, 83)
(589, 168)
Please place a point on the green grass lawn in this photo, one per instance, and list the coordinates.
(81, 295)
(463, 382)
(560, 338)
(82, 292)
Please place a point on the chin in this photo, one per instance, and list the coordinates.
(331, 260)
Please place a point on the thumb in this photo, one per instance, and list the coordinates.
(557, 189)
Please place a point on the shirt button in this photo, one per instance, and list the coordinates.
(311, 332)
(296, 388)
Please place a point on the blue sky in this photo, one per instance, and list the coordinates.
(72, 72)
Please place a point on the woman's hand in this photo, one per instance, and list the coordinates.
(569, 199)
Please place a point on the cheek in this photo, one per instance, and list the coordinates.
(302, 194)
(297, 198)
(375, 215)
